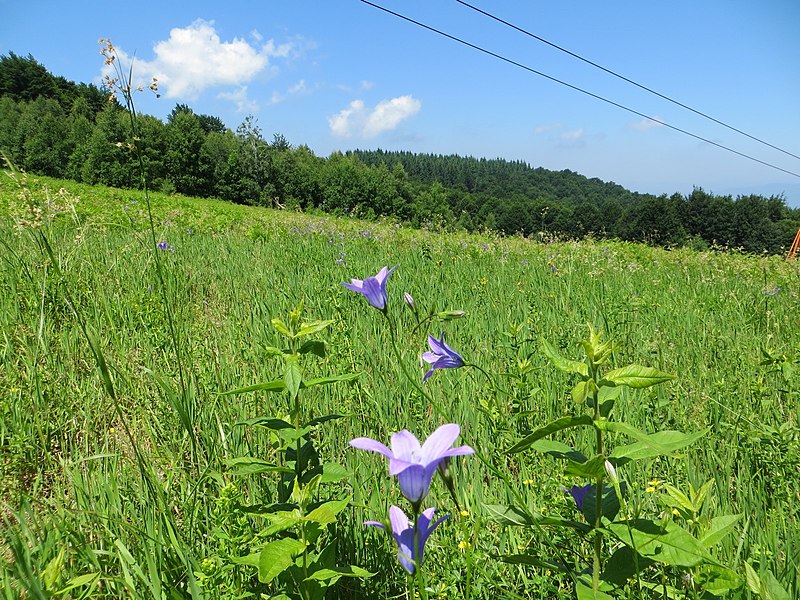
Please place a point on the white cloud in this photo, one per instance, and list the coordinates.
(243, 103)
(546, 128)
(294, 90)
(365, 122)
(572, 136)
(194, 59)
(647, 124)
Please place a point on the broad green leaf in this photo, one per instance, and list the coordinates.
(647, 439)
(718, 580)
(325, 514)
(557, 425)
(271, 386)
(281, 328)
(636, 376)
(590, 469)
(609, 505)
(662, 542)
(324, 419)
(313, 347)
(331, 379)
(681, 499)
(312, 327)
(276, 557)
(657, 444)
(292, 376)
(281, 521)
(558, 449)
(272, 351)
(331, 473)
(561, 363)
(718, 529)
(584, 592)
(752, 578)
(332, 575)
(267, 422)
(246, 465)
(623, 565)
(771, 589)
(508, 515)
(583, 390)
(250, 560)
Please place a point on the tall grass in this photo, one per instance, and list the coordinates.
(132, 493)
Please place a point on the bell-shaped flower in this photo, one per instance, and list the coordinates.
(403, 532)
(372, 288)
(578, 494)
(415, 464)
(441, 356)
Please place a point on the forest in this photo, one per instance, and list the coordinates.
(55, 127)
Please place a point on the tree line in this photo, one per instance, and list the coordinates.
(55, 127)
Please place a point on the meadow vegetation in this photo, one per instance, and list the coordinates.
(127, 470)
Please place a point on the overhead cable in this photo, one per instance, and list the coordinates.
(626, 79)
(574, 87)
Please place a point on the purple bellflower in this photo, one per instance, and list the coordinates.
(403, 533)
(441, 356)
(578, 494)
(372, 288)
(415, 464)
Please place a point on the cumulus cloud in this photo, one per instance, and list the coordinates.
(546, 128)
(194, 59)
(360, 121)
(647, 124)
(244, 104)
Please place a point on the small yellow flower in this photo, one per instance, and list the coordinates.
(527, 482)
(483, 281)
(463, 545)
(464, 514)
(676, 512)
(650, 489)
(111, 430)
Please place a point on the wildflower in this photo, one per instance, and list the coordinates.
(441, 356)
(578, 494)
(403, 532)
(165, 246)
(409, 300)
(372, 288)
(415, 464)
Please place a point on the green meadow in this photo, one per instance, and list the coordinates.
(125, 471)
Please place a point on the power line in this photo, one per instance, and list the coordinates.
(573, 87)
(626, 79)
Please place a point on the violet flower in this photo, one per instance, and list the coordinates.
(578, 494)
(415, 464)
(441, 356)
(403, 533)
(372, 288)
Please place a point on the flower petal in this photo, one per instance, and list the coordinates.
(405, 446)
(365, 443)
(415, 481)
(439, 442)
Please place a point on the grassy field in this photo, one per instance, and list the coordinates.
(134, 494)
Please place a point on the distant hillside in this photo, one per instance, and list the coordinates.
(51, 126)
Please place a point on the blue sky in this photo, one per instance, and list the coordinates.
(339, 74)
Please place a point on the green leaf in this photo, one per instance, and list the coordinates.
(80, 580)
(313, 347)
(681, 499)
(325, 514)
(662, 542)
(292, 376)
(771, 589)
(250, 560)
(246, 465)
(527, 559)
(332, 575)
(272, 351)
(267, 422)
(718, 529)
(584, 592)
(583, 390)
(557, 425)
(752, 578)
(636, 376)
(623, 565)
(313, 327)
(561, 363)
(281, 328)
(508, 515)
(331, 379)
(276, 557)
(331, 473)
(271, 386)
(281, 521)
(656, 444)
(591, 469)
(718, 580)
(558, 449)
